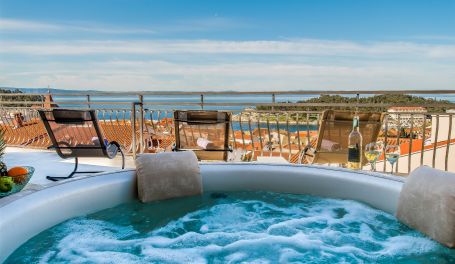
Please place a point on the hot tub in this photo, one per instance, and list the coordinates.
(27, 214)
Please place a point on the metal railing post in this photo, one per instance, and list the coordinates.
(273, 102)
(424, 131)
(398, 142)
(133, 129)
(202, 101)
(411, 135)
(449, 139)
(277, 116)
(289, 137)
(308, 136)
(269, 143)
(258, 121)
(141, 123)
(435, 141)
(88, 100)
(386, 131)
(242, 133)
(251, 136)
(298, 131)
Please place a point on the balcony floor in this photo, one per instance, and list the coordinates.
(49, 163)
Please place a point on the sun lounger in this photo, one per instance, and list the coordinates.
(335, 126)
(204, 132)
(76, 134)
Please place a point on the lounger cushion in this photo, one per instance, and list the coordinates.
(427, 203)
(167, 175)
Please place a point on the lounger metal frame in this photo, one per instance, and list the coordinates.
(99, 150)
(200, 117)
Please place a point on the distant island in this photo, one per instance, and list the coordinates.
(387, 99)
(18, 98)
(402, 100)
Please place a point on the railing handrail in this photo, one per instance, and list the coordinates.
(291, 104)
(285, 92)
(234, 111)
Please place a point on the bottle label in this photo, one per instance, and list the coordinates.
(354, 154)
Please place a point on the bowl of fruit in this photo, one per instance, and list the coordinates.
(15, 180)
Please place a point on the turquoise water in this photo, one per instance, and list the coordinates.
(258, 227)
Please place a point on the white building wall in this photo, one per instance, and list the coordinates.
(443, 131)
(427, 160)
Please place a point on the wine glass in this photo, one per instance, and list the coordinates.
(373, 151)
(392, 153)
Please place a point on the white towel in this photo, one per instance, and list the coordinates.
(329, 145)
(167, 175)
(205, 143)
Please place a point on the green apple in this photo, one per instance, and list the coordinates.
(6, 184)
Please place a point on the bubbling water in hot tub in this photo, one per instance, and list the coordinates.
(234, 227)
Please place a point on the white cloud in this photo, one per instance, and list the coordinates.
(130, 75)
(15, 25)
(434, 37)
(193, 25)
(216, 64)
(307, 47)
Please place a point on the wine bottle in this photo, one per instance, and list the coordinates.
(355, 146)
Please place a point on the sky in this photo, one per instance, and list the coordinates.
(245, 45)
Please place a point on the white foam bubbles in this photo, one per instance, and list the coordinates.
(242, 227)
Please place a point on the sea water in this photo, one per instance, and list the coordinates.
(252, 227)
